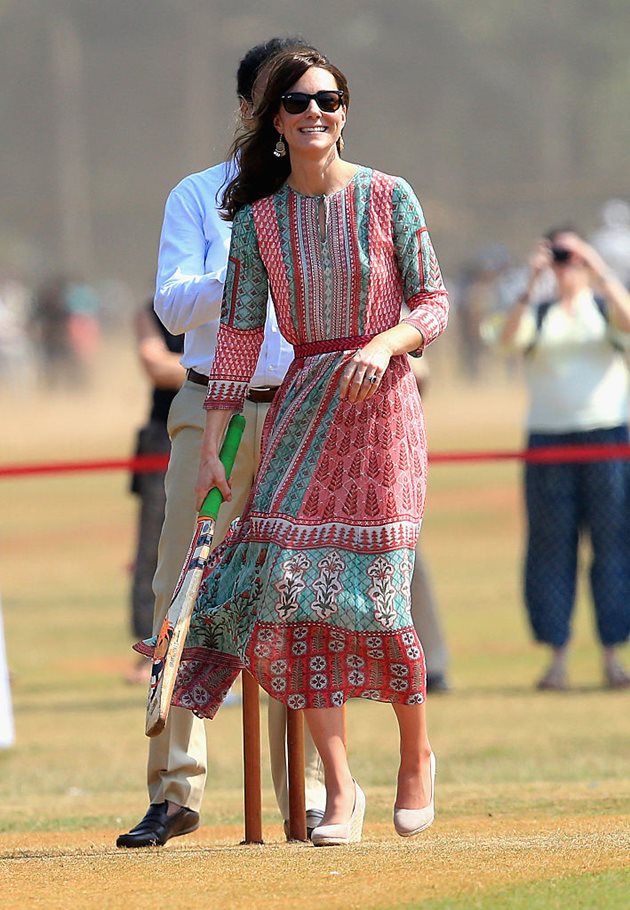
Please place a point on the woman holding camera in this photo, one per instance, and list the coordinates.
(578, 383)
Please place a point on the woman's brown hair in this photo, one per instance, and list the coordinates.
(261, 174)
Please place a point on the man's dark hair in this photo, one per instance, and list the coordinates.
(254, 59)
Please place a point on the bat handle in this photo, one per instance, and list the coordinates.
(212, 502)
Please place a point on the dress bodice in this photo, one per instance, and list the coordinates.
(344, 275)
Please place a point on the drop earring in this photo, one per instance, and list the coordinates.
(280, 149)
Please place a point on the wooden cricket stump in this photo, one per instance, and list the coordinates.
(295, 768)
(251, 766)
(251, 759)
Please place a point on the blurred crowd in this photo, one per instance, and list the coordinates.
(50, 332)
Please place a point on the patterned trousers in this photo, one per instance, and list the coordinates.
(564, 502)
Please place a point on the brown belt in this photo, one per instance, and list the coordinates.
(262, 396)
(198, 378)
(258, 396)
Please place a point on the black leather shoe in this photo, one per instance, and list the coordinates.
(157, 827)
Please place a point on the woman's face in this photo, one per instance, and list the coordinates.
(312, 132)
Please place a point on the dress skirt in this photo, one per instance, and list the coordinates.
(310, 591)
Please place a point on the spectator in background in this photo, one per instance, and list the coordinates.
(579, 393)
(159, 352)
(65, 330)
(424, 610)
(84, 331)
(17, 360)
(49, 327)
(612, 237)
(477, 299)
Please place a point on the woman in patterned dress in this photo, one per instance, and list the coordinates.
(311, 590)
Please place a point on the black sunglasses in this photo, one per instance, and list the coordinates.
(297, 102)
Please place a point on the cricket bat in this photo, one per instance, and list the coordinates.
(172, 635)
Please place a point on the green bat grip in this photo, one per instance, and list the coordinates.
(212, 502)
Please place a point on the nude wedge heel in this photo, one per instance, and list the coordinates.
(409, 822)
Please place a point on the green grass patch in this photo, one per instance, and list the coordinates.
(604, 891)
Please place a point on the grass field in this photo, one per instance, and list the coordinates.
(533, 792)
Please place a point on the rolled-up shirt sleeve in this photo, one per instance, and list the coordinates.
(423, 286)
(186, 296)
(243, 316)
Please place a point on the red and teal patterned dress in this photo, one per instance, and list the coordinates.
(311, 591)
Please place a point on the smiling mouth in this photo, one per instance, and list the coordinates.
(314, 129)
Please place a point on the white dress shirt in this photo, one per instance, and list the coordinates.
(192, 264)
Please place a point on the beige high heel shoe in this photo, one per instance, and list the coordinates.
(346, 832)
(409, 822)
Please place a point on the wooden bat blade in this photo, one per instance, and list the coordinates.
(172, 636)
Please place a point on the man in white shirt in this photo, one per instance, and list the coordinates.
(192, 263)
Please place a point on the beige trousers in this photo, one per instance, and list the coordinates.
(178, 757)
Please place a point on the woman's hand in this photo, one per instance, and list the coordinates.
(211, 474)
(584, 251)
(211, 471)
(617, 296)
(363, 373)
(539, 260)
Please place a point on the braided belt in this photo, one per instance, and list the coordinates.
(327, 346)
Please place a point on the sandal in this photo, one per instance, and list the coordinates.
(554, 680)
(616, 676)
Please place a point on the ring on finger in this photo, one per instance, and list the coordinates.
(372, 379)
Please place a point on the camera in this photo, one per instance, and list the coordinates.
(560, 254)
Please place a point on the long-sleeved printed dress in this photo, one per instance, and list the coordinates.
(311, 591)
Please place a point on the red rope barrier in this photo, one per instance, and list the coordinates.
(142, 464)
(149, 463)
(543, 455)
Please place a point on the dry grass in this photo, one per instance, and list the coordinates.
(533, 790)
(464, 859)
